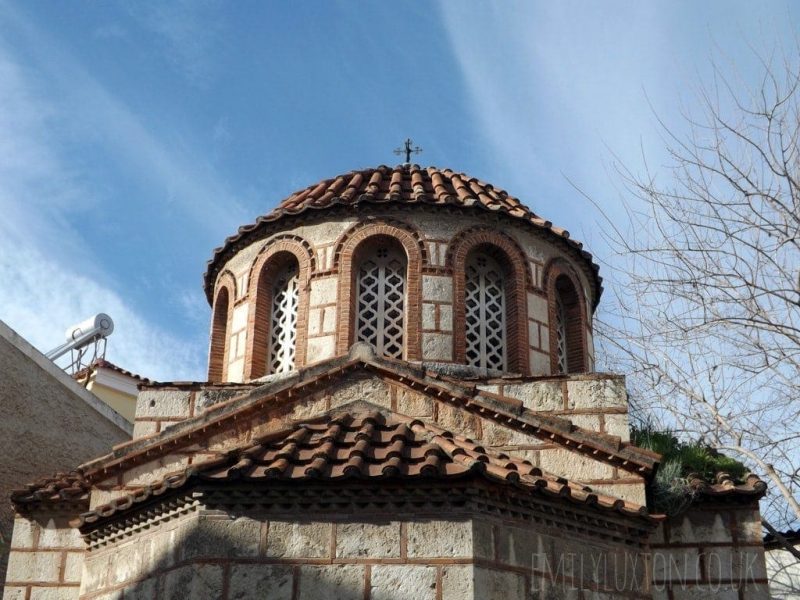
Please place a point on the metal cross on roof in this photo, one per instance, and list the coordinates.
(408, 150)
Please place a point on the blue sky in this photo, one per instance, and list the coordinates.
(136, 136)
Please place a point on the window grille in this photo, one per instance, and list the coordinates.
(283, 323)
(485, 311)
(381, 297)
(561, 335)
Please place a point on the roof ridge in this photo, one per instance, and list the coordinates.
(404, 447)
(508, 412)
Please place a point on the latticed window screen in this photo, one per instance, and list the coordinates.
(283, 321)
(561, 335)
(485, 313)
(381, 297)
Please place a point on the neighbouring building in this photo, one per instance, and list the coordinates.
(783, 566)
(49, 423)
(401, 404)
(114, 385)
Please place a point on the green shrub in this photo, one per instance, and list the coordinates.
(670, 489)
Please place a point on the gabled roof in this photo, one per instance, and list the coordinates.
(466, 396)
(102, 363)
(370, 445)
(403, 184)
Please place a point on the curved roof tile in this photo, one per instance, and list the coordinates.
(408, 184)
(371, 446)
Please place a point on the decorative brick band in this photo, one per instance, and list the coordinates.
(224, 297)
(346, 257)
(274, 256)
(559, 274)
(517, 278)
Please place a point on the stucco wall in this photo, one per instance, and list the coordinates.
(436, 231)
(783, 570)
(49, 423)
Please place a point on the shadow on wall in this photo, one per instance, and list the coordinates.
(243, 558)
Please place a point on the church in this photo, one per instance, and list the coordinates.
(401, 403)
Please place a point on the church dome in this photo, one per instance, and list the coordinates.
(427, 265)
(403, 184)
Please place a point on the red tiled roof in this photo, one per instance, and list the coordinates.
(407, 184)
(61, 487)
(371, 446)
(506, 411)
(725, 486)
(102, 363)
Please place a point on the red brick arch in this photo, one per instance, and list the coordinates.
(518, 279)
(224, 298)
(272, 257)
(346, 251)
(575, 308)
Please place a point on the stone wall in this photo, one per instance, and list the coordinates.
(712, 551)
(214, 555)
(436, 232)
(159, 406)
(46, 559)
(516, 562)
(596, 402)
(49, 424)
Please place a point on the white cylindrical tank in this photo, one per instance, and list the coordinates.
(98, 326)
(84, 333)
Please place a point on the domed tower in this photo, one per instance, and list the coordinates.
(425, 264)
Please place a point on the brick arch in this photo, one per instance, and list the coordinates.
(224, 298)
(577, 319)
(406, 234)
(271, 258)
(519, 279)
(346, 251)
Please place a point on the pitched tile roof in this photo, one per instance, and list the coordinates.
(773, 542)
(406, 184)
(508, 412)
(102, 363)
(70, 488)
(372, 446)
(725, 486)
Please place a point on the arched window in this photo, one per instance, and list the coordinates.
(381, 291)
(568, 345)
(485, 312)
(283, 320)
(219, 337)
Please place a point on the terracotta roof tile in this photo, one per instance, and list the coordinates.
(372, 446)
(102, 363)
(401, 184)
(61, 487)
(726, 486)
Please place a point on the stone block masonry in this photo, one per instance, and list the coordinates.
(213, 555)
(710, 552)
(245, 558)
(46, 560)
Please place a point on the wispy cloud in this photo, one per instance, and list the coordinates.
(48, 278)
(188, 30)
(559, 85)
(40, 297)
(164, 160)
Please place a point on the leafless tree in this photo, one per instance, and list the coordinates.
(706, 279)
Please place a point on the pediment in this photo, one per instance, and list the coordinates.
(408, 390)
(362, 446)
